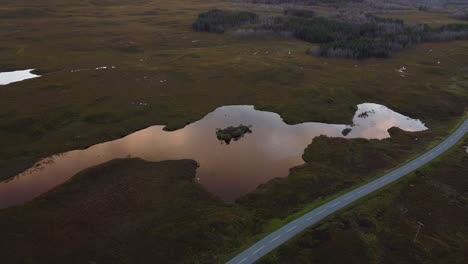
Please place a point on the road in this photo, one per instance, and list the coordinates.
(286, 232)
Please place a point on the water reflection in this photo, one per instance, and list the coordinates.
(228, 171)
(16, 76)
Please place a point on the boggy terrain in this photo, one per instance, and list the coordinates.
(164, 73)
(124, 211)
(134, 210)
(420, 219)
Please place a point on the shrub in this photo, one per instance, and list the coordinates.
(447, 33)
(299, 12)
(462, 15)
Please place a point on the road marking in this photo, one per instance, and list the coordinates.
(335, 204)
(242, 261)
(260, 248)
(308, 219)
(273, 240)
(349, 197)
(291, 229)
(322, 211)
(361, 190)
(371, 185)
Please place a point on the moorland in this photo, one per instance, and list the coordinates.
(162, 72)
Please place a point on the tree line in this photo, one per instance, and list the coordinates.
(351, 36)
(354, 37)
(300, 2)
(218, 21)
(462, 15)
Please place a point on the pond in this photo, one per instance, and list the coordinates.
(16, 76)
(227, 170)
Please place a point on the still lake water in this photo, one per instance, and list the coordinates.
(227, 170)
(16, 76)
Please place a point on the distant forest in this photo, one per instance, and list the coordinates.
(351, 36)
(302, 2)
(217, 21)
(380, 3)
(462, 15)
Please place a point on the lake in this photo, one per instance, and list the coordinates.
(16, 76)
(226, 170)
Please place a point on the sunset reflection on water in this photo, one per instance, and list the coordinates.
(228, 171)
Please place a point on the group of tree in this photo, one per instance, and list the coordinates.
(300, 2)
(361, 36)
(356, 36)
(462, 15)
(447, 33)
(218, 21)
(299, 12)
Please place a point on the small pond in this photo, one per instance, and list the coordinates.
(16, 76)
(227, 170)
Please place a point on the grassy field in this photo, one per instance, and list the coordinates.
(180, 76)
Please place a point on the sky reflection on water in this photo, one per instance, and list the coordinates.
(228, 171)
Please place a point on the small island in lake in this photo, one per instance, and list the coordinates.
(346, 131)
(229, 133)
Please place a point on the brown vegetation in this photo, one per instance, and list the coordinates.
(124, 211)
(420, 219)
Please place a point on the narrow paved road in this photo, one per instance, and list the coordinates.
(294, 227)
